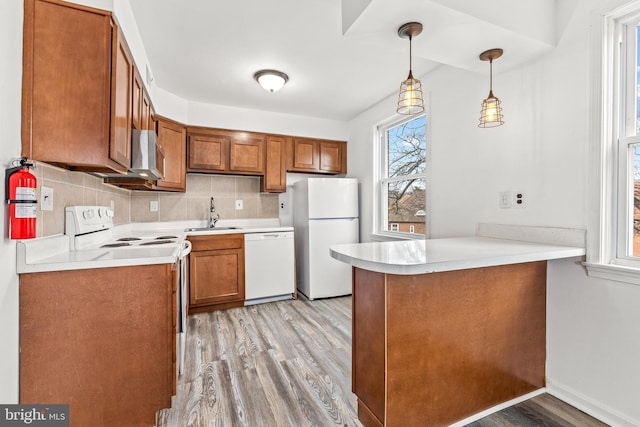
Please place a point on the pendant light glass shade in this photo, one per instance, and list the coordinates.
(410, 100)
(491, 112)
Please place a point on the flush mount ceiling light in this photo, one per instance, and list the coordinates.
(410, 100)
(491, 113)
(271, 80)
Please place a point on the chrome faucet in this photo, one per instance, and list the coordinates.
(213, 215)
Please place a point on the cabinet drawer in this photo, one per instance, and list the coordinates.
(225, 241)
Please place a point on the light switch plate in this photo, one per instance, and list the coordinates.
(505, 200)
(46, 198)
(153, 206)
(239, 205)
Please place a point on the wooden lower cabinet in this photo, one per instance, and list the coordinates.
(216, 272)
(102, 341)
(433, 349)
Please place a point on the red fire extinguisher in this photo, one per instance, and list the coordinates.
(20, 194)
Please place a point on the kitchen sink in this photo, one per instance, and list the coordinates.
(210, 228)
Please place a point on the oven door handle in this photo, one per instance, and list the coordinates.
(186, 249)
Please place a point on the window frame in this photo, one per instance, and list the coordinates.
(380, 199)
(613, 128)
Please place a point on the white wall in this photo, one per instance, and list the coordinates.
(592, 329)
(221, 116)
(10, 88)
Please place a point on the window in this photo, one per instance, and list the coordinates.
(613, 246)
(628, 245)
(403, 177)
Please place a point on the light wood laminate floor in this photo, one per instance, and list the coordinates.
(289, 364)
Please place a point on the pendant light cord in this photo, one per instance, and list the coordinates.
(491, 75)
(410, 71)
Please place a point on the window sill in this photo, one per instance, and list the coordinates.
(618, 273)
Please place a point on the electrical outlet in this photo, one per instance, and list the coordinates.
(239, 205)
(519, 200)
(153, 206)
(281, 205)
(46, 198)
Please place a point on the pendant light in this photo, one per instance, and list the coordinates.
(271, 80)
(410, 99)
(491, 113)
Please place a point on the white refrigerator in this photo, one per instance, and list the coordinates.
(325, 213)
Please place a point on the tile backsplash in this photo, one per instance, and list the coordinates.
(79, 188)
(75, 188)
(194, 203)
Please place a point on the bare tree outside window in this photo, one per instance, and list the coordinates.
(405, 182)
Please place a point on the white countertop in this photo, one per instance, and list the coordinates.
(52, 253)
(458, 253)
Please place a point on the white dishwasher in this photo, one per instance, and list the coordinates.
(269, 266)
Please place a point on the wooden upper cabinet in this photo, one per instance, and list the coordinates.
(275, 171)
(137, 94)
(305, 154)
(145, 113)
(172, 137)
(246, 153)
(317, 156)
(66, 87)
(208, 153)
(121, 108)
(330, 156)
(225, 151)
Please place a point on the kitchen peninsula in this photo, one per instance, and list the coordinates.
(446, 328)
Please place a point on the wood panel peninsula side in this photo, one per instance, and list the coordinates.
(446, 328)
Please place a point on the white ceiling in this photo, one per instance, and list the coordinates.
(340, 59)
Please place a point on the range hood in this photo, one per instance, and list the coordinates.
(147, 158)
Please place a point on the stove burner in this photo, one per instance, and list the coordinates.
(115, 245)
(157, 242)
(166, 237)
(128, 239)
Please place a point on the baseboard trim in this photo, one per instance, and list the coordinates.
(590, 406)
(497, 408)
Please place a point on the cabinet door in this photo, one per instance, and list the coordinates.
(330, 156)
(121, 89)
(145, 113)
(82, 332)
(66, 83)
(216, 276)
(275, 176)
(172, 137)
(208, 153)
(136, 102)
(247, 154)
(305, 155)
